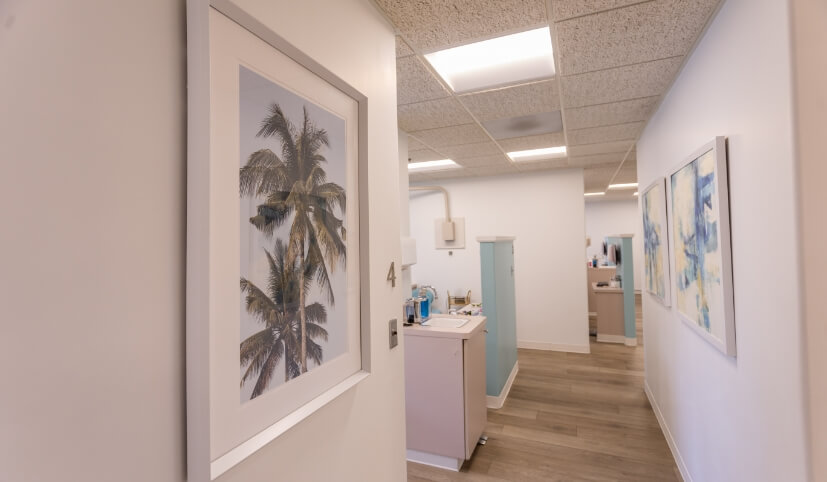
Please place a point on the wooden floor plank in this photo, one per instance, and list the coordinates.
(570, 417)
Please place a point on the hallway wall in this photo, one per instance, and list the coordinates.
(736, 418)
(93, 216)
(544, 210)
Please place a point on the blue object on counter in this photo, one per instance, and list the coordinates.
(425, 308)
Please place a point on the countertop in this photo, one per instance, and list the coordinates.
(474, 325)
(605, 289)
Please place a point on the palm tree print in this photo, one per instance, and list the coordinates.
(276, 309)
(296, 192)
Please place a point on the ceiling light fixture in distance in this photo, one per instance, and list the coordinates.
(537, 154)
(628, 185)
(594, 193)
(634, 193)
(432, 165)
(518, 57)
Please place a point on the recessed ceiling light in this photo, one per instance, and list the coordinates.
(536, 154)
(628, 185)
(432, 165)
(634, 193)
(499, 61)
(594, 193)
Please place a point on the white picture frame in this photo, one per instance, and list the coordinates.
(223, 429)
(702, 263)
(653, 207)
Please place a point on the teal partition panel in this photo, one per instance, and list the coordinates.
(498, 303)
(627, 274)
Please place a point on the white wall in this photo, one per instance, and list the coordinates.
(736, 419)
(545, 212)
(605, 218)
(92, 204)
(404, 211)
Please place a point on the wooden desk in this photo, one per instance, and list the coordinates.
(609, 306)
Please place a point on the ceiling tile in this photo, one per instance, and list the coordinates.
(514, 101)
(471, 150)
(596, 135)
(622, 83)
(532, 142)
(423, 155)
(492, 170)
(601, 148)
(432, 114)
(561, 10)
(450, 174)
(402, 49)
(525, 125)
(453, 135)
(541, 165)
(626, 174)
(598, 159)
(638, 33)
(610, 114)
(415, 145)
(483, 161)
(418, 176)
(437, 25)
(414, 82)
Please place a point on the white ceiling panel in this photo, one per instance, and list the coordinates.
(514, 101)
(563, 9)
(621, 83)
(596, 135)
(600, 148)
(402, 49)
(453, 135)
(597, 159)
(610, 114)
(492, 170)
(436, 25)
(450, 174)
(533, 142)
(415, 145)
(471, 150)
(423, 155)
(414, 83)
(432, 114)
(526, 166)
(637, 33)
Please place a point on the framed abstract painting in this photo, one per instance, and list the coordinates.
(700, 238)
(655, 241)
(277, 306)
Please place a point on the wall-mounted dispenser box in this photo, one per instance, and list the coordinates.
(447, 230)
(449, 235)
(408, 251)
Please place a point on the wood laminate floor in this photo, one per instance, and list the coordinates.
(570, 417)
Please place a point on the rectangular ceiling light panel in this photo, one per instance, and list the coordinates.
(523, 56)
(538, 154)
(628, 185)
(432, 165)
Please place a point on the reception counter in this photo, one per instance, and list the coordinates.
(609, 308)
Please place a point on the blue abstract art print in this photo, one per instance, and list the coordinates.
(700, 245)
(653, 207)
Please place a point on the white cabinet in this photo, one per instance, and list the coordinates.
(445, 392)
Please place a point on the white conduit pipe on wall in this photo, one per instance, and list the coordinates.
(436, 188)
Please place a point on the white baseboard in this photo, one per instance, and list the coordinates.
(630, 341)
(499, 400)
(434, 460)
(667, 434)
(536, 345)
(611, 338)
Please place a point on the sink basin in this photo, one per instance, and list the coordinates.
(445, 322)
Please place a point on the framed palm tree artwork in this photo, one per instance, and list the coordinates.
(277, 312)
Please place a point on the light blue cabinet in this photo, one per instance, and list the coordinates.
(498, 304)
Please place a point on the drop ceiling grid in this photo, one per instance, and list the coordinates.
(628, 53)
